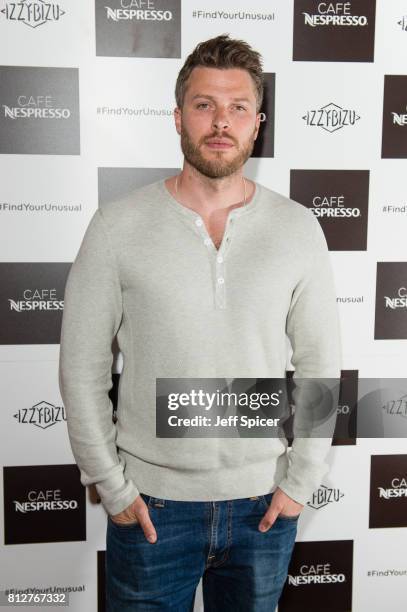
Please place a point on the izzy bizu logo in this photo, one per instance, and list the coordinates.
(333, 206)
(403, 23)
(398, 488)
(50, 499)
(37, 299)
(331, 117)
(398, 407)
(324, 496)
(400, 301)
(41, 415)
(334, 14)
(399, 118)
(138, 10)
(33, 13)
(320, 573)
(35, 107)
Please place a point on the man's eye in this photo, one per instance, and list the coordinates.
(202, 104)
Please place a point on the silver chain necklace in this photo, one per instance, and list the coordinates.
(244, 187)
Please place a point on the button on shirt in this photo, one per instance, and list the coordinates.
(148, 272)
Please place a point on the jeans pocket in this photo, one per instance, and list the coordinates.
(123, 525)
(266, 500)
(284, 517)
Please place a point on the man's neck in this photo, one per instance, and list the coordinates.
(205, 195)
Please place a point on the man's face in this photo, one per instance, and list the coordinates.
(218, 123)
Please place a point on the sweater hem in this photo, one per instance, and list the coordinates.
(223, 483)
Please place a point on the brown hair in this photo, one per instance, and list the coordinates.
(222, 52)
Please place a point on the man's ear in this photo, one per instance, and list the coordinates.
(258, 117)
(177, 118)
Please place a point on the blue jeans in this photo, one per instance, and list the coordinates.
(242, 568)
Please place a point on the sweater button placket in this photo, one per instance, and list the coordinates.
(220, 284)
(220, 275)
(220, 288)
(204, 234)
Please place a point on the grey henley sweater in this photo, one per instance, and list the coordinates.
(148, 272)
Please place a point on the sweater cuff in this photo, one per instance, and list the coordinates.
(303, 476)
(114, 496)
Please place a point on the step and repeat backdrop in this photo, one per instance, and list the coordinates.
(86, 115)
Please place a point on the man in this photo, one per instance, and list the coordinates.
(202, 275)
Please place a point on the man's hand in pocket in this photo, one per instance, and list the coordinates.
(282, 504)
(137, 512)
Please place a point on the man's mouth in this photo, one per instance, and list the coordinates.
(219, 144)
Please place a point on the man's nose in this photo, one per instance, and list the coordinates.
(220, 120)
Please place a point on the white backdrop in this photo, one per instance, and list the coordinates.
(138, 141)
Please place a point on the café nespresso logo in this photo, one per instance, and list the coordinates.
(37, 300)
(334, 31)
(334, 14)
(335, 197)
(388, 491)
(394, 137)
(333, 206)
(33, 13)
(49, 499)
(43, 503)
(320, 573)
(331, 117)
(399, 118)
(35, 107)
(138, 10)
(398, 488)
(398, 301)
(391, 300)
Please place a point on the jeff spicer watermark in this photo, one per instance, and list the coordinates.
(281, 407)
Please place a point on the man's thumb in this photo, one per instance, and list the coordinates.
(148, 528)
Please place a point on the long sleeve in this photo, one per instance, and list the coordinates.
(91, 318)
(314, 331)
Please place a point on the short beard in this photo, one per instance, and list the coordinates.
(214, 168)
